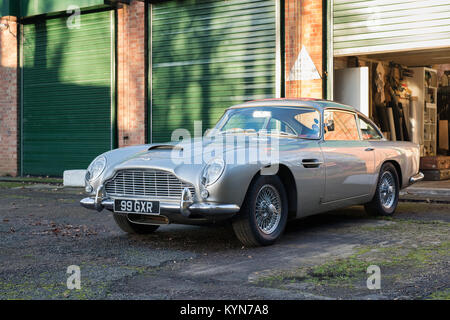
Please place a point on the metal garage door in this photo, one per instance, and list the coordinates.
(206, 56)
(67, 94)
(374, 26)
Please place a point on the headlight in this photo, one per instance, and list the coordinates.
(96, 168)
(212, 171)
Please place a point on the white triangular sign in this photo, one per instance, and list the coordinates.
(303, 68)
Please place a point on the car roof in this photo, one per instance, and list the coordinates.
(297, 102)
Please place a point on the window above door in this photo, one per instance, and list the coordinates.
(341, 126)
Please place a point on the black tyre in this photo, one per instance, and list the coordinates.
(385, 199)
(263, 216)
(130, 227)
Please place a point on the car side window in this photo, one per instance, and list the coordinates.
(279, 126)
(341, 126)
(309, 121)
(368, 131)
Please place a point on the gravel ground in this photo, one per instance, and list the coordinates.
(43, 230)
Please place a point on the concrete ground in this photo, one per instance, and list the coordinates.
(43, 230)
(443, 184)
(432, 191)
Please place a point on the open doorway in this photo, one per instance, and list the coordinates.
(407, 94)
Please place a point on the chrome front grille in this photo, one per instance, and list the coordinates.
(156, 184)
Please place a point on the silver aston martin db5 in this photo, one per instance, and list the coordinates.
(264, 163)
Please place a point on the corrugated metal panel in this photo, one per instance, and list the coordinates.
(9, 8)
(36, 7)
(67, 93)
(389, 25)
(206, 56)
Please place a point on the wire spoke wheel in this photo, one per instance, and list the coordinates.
(387, 190)
(264, 212)
(385, 199)
(268, 209)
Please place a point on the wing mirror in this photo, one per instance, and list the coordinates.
(329, 125)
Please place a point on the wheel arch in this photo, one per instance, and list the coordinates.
(398, 169)
(288, 181)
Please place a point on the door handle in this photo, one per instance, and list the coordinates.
(369, 149)
(311, 163)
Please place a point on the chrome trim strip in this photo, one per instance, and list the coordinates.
(312, 163)
(185, 202)
(206, 207)
(98, 199)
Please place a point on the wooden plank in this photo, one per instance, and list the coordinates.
(436, 175)
(435, 163)
(443, 135)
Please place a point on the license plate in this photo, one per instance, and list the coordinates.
(136, 206)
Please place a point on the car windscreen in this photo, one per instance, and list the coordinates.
(300, 122)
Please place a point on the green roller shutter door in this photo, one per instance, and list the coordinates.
(374, 26)
(68, 77)
(207, 56)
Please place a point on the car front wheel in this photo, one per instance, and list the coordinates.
(130, 227)
(263, 216)
(385, 199)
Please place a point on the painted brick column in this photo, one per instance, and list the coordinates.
(131, 74)
(303, 27)
(8, 97)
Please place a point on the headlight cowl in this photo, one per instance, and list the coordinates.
(212, 171)
(96, 168)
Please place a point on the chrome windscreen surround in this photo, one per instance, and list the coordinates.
(148, 183)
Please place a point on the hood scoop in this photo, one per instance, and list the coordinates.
(165, 147)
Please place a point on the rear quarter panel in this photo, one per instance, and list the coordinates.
(405, 154)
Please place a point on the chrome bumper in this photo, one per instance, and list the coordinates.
(416, 178)
(186, 205)
(205, 207)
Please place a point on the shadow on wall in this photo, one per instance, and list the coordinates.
(207, 57)
(8, 120)
(180, 91)
(66, 94)
(4, 8)
(8, 98)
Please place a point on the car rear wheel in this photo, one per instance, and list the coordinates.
(130, 227)
(263, 216)
(385, 199)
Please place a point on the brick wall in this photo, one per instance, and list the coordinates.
(8, 96)
(131, 74)
(303, 27)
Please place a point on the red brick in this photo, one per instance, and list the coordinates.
(8, 100)
(303, 25)
(131, 74)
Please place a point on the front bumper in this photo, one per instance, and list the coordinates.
(186, 207)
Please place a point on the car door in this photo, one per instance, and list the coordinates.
(303, 156)
(349, 161)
